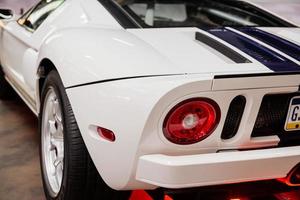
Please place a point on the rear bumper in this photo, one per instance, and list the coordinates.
(216, 168)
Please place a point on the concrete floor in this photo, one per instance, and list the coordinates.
(20, 176)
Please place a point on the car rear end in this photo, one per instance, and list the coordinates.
(256, 138)
(226, 111)
(249, 141)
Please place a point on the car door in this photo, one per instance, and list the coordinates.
(21, 41)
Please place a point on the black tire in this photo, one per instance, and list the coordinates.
(80, 178)
(6, 91)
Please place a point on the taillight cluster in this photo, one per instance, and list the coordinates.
(191, 121)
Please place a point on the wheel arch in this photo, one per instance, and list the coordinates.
(44, 68)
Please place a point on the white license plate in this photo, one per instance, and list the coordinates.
(292, 122)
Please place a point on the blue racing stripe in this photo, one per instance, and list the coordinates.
(279, 43)
(267, 57)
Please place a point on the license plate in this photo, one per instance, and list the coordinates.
(293, 118)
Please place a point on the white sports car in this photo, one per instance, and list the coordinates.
(156, 94)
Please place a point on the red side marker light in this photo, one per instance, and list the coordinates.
(106, 134)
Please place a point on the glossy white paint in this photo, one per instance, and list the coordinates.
(119, 50)
(179, 46)
(86, 44)
(216, 168)
(136, 118)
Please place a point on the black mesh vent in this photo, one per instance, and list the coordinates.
(271, 119)
(233, 118)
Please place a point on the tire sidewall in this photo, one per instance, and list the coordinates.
(53, 80)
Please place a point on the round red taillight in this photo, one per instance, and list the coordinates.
(191, 121)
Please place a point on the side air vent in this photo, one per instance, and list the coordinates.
(233, 118)
(223, 49)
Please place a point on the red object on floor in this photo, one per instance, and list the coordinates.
(142, 195)
(288, 196)
(167, 198)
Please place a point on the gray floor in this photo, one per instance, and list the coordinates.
(19, 161)
(20, 176)
(16, 5)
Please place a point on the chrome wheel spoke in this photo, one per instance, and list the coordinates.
(58, 162)
(52, 141)
(56, 110)
(52, 127)
(57, 136)
(59, 172)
